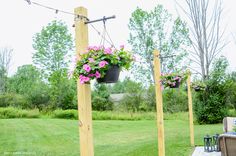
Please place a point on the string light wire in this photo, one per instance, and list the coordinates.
(75, 15)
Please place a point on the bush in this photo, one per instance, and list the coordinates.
(210, 109)
(11, 112)
(65, 114)
(105, 115)
(111, 115)
(13, 100)
(100, 98)
(175, 100)
(134, 99)
(210, 105)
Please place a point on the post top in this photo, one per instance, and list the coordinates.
(188, 72)
(80, 11)
(156, 52)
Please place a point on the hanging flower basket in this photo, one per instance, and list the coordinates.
(111, 76)
(198, 86)
(175, 84)
(172, 80)
(103, 64)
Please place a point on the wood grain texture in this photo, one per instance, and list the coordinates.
(83, 90)
(159, 104)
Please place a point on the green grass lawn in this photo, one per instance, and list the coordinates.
(57, 137)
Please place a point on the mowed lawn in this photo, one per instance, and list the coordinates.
(58, 137)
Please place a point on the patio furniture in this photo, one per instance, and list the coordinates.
(227, 144)
(229, 124)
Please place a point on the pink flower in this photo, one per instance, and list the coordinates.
(95, 48)
(83, 79)
(91, 60)
(162, 87)
(97, 74)
(90, 48)
(122, 46)
(86, 67)
(108, 51)
(102, 64)
(86, 79)
(90, 75)
(176, 78)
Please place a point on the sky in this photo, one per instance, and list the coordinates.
(20, 21)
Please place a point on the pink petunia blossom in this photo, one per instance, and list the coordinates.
(86, 67)
(102, 64)
(86, 79)
(91, 60)
(122, 46)
(108, 51)
(91, 75)
(95, 48)
(83, 79)
(97, 74)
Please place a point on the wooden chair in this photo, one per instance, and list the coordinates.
(227, 144)
(229, 124)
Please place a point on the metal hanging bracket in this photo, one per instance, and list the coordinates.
(101, 19)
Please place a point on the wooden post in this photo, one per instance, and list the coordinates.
(190, 107)
(159, 104)
(83, 90)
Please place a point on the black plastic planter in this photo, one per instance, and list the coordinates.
(197, 89)
(112, 75)
(177, 84)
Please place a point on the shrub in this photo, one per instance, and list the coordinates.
(209, 108)
(11, 112)
(13, 100)
(65, 114)
(175, 100)
(134, 98)
(100, 98)
(111, 115)
(210, 105)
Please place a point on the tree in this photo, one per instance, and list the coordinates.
(26, 77)
(27, 82)
(206, 34)
(53, 45)
(5, 60)
(100, 98)
(151, 30)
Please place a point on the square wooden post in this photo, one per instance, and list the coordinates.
(190, 108)
(83, 90)
(159, 104)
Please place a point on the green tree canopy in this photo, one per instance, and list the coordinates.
(52, 45)
(156, 30)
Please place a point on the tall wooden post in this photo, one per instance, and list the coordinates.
(83, 90)
(159, 104)
(190, 107)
